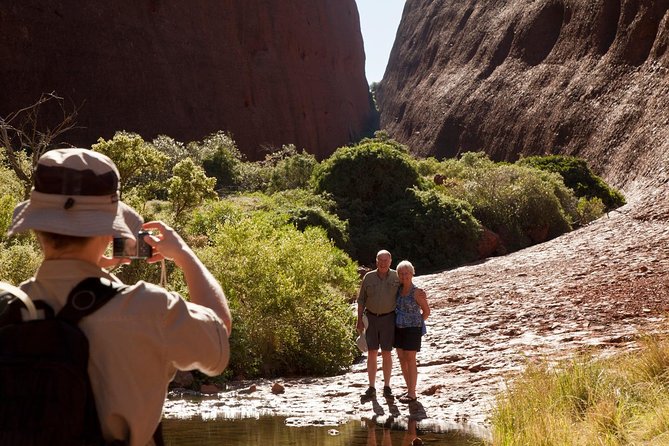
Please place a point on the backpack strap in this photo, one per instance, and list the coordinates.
(88, 296)
(84, 299)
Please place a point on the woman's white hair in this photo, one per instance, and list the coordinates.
(405, 264)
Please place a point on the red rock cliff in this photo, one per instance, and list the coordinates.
(270, 72)
(520, 77)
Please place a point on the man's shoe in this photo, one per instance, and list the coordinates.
(387, 391)
(370, 392)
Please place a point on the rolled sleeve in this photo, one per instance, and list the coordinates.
(195, 338)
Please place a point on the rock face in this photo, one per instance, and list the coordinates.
(271, 73)
(525, 77)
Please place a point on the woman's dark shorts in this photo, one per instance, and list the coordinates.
(408, 338)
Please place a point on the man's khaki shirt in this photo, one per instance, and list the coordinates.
(379, 295)
(137, 342)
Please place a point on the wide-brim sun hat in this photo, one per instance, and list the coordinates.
(361, 342)
(76, 192)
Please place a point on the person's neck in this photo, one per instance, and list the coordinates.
(60, 255)
(381, 275)
(406, 288)
(86, 253)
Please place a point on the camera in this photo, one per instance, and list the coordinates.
(124, 247)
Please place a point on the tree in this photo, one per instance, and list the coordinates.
(140, 165)
(189, 187)
(26, 134)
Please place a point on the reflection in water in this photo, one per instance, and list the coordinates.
(273, 431)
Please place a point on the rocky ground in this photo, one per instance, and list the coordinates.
(597, 289)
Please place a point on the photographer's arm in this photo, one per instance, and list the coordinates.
(203, 288)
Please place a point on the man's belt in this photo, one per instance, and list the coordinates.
(379, 314)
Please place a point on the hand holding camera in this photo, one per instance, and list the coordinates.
(128, 248)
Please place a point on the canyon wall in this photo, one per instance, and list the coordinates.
(524, 77)
(269, 72)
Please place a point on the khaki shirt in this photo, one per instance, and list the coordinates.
(379, 295)
(137, 342)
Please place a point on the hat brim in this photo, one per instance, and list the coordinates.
(361, 342)
(88, 217)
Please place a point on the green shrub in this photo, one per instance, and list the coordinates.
(589, 209)
(7, 203)
(292, 171)
(431, 229)
(365, 181)
(523, 205)
(211, 216)
(220, 159)
(19, 261)
(9, 183)
(175, 151)
(578, 177)
(428, 167)
(140, 165)
(289, 293)
(305, 209)
(373, 173)
(188, 187)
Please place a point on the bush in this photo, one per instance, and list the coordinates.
(19, 261)
(221, 159)
(523, 205)
(209, 218)
(366, 181)
(188, 187)
(578, 177)
(589, 209)
(291, 171)
(9, 183)
(373, 173)
(174, 150)
(432, 229)
(7, 203)
(140, 165)
(289, 293)
(305, 209)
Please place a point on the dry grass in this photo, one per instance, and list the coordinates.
(622, 400)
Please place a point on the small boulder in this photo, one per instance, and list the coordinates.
(278, 389)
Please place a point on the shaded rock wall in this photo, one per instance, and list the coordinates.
(521, 77)
(270, 72)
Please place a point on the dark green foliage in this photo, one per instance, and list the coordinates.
(432, 230)
(305, 209)
(221, 159)
(335, 229)
(140, 165)
(378, 190)
(578, 177)
(373, 173)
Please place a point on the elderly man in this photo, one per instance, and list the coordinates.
(376, 300)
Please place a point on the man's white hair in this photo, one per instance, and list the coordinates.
(382, 253)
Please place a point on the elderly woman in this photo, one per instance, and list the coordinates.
(411, 311)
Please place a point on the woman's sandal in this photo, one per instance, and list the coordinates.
(406, 399)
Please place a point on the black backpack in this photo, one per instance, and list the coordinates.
(45, 393)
